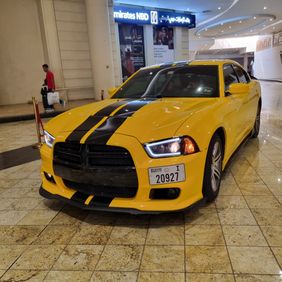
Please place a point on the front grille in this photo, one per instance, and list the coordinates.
(77, 155)
(96, 169)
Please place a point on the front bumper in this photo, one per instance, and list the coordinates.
(190, 189)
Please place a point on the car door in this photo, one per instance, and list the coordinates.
(249, 106)
(233, 109)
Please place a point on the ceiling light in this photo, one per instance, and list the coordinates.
(264, 7)
(222, 31)
(219, 8)
(255, 17)
(240, 21)
(271, 20)
(230, 26)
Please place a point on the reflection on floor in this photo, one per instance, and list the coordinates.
(239, 237)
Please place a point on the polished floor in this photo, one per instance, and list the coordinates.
(237, 238)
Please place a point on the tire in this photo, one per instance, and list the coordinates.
(255, 131)
(213, 169)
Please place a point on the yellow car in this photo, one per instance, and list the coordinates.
(160, 143)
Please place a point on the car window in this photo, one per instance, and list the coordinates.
(229, 76)
(242, 75)
(180, 81)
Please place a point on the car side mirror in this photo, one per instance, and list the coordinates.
(237, 89)
(112, 91)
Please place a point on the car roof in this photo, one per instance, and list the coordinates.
(193, 63)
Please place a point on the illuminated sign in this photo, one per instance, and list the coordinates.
(136, 15)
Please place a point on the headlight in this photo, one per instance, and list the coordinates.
(49, 139)
(172, 147)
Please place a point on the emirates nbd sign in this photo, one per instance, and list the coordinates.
(136, 15)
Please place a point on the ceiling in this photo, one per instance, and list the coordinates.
(225, 18)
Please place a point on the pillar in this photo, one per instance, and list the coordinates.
(100, 45)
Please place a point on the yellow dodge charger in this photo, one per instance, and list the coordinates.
(160, 143)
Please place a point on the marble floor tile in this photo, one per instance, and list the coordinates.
(202, 216)
(68, 276)
(24, 275)
(9, 254)
(56, 235)
(268, 216)
(163, 259)
(273, 235)
(205, 277)
(168, 219)
(230, 202)
(243, 236)
(130, 219)
(236, 217)
(255, 190)
(165, 235)
(120, 258)
(229, 190)
(257, 278)
(19, 235)
(253, 260)
(38, 257)
(278, 254)
(38, 217)
(11, 217)
(161, 276)
(262, 202)
(207, 259)
(106, 276)
(79, 257)
(209, 235)
(128, 235)
(91, 235)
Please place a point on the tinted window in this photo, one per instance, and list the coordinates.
(184, 81)
(229, 76)
(242, 75)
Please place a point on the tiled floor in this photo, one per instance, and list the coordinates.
(237, 238)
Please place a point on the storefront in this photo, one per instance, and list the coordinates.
(147, 37)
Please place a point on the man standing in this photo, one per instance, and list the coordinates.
(48, 86)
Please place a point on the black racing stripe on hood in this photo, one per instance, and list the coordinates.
(91, 121)
(104, 132)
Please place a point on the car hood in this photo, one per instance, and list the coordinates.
(146, 120)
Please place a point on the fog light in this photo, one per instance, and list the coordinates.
(49, 177)
(164, 193)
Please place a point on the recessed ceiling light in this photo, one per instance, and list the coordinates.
(240, 21)
(219, 8)
(264, 7)
(255, 17)
(271, 19)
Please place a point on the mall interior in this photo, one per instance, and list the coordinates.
(51, 229)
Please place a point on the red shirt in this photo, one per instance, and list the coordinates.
(50, 81)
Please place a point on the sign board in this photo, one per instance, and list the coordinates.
(136, 15)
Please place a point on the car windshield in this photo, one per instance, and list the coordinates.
(186, 81)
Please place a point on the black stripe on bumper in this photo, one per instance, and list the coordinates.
(49, 195)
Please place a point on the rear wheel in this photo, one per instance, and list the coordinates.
(255, 131)
(213, 169)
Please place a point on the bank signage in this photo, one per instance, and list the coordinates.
(136, 15)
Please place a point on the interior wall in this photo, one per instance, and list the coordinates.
(267, 64)
(21, 51)
(74, 48)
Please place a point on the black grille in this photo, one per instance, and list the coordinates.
(96, 169)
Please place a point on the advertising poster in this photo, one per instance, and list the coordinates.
(131, 40)
(163, 44)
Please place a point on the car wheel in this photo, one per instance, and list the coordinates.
(213, 169)
(255, 131)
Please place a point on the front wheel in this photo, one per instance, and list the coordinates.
(213, 169)
(255, 131)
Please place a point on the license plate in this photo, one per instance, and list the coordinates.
(166, 174)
